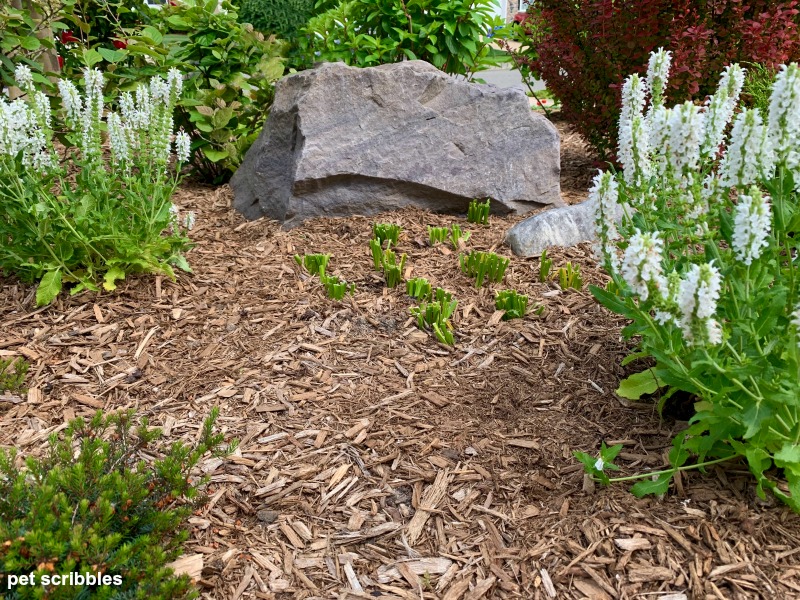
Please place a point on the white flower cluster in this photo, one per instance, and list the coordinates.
(796, 323)
(641, 265)
(720, 107)
(25, 126)
(604, 196)
(697, 301)
(633, 151)
(686, 125)
(750, 154)
(751, 225)
(784, 117)
(657, 74)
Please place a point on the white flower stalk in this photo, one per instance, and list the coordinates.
(634, 151)
(686, 124)
(719, 109)
(750, 152)
(91, 119)
(751, 225)
(71, 101)
(23, 133)
(604, 194)
(658, 136)
(784, 115)
(697, 301)
(118, 139)
(657, 76)
(175, 84)
(641, 265)
(633, 97)
(23, 77)
(183, 146)
(189, 220)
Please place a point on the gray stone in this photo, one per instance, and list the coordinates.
(341, 140)
(565, 226)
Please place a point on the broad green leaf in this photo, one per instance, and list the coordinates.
(111, 276)
(91, 57)
(639, 384)
(112, 56)
(49, 287)
(153, 33)
(214, 155)
(659, 486)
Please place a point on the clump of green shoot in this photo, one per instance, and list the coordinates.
(514, 304)
(435, 316)
(386, 232)
(478, 212)
(569, 276)
(335, 287)
(392, 269)
(12, 375)
(483, 265)
(545, 264)
(457, 236)
(418, 288)
(437, 235)
(377, 254)
(313, 263)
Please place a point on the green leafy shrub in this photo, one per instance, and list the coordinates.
(514, 304)
(386, 232)
(418, 287)
(478, 212)
(435, 315)
(569, 276)
(314, 264)
(279, 17)
(450, 34)
(102, 510)
(545, 265)
(335, 287)
(700, 236)
(231, 70)
(483, 265)
(115, 216)
(12, 374)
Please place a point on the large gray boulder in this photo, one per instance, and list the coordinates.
(565, 226)
(341, 140)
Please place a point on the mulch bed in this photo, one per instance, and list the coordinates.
(374, 462)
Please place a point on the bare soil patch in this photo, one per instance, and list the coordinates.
(374, 462)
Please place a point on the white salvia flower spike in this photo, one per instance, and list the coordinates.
(752, 222)
(784, 115)
(183, 145)
(604, 195)
(697, 301)
(720, 108)
(657, 76)
(685, 128)
(24, 77)
(796, 323)
(750, 153)
(641, 265)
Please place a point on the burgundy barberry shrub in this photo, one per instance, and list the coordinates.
(589, 46)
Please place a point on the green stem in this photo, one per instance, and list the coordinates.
(673, 470)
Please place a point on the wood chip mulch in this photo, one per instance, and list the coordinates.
(374, 462)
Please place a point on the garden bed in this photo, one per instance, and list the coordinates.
(352, 423)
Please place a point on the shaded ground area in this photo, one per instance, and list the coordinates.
(374, 462)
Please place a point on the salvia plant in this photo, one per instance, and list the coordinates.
(483, 265)
(700, 235)
(569, 276)
(457, 236)
(545, 265)
(386, 232)
(418, 287)
(115, 215)
(437, 235)
(478, 212)
(314, 264)
(335, 287)
(513, 303)
(435, 315)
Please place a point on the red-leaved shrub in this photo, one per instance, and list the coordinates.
(590, 46)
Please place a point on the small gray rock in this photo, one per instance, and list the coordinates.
(564, 226)
(341, 141)
(267, 516)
